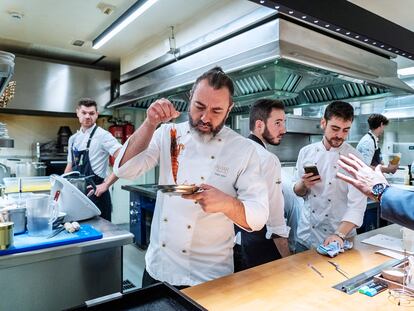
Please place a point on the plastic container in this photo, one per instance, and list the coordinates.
(28, 184)
(394, 158)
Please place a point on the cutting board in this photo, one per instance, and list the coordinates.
(24, 243)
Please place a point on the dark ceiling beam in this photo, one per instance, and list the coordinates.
(349, 20)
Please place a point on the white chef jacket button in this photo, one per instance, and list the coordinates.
(165, 219)
(329, 200)
(334, 166)
(219, 139)
(314, 195)
(330, 183)
(202, 177)
(313, 227)
(313, 211)
(163, 244)
(184, 251)
(188, 227)
(188, 132)
(324, 230)
(195, 202)
(326, 215)
(212, 157)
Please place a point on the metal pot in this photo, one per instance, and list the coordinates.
(79, 181)
(29, 169)
(4, 172)
(18, 217)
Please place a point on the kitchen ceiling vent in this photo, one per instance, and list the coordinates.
(78, 43)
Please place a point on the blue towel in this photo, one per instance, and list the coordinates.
(333, 248)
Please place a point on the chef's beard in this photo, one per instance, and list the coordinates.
(204, 136)
(335, 142)
(269, 139)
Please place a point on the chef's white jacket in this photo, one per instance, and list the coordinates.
(103, 144)
(271, 172)
(187, 245)
(330, 201)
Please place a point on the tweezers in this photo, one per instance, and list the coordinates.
(56, 232)
(337, 268)
(316, 270)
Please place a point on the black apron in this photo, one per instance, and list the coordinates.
(255, 248)
(81, 163)
(376, 159)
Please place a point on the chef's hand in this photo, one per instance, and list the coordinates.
(309, 180)
(332, 238)
(162, 110)
(100, 189)
(363, 177)
(210, 199)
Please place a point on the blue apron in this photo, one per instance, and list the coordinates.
(376, 159)
(81, 163)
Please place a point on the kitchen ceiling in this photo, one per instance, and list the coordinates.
(49, 27)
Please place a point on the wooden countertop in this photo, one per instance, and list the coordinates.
(289, 284)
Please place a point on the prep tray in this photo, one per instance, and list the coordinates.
(24, 243)
(160, 296)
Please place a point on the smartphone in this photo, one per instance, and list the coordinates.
(311, 169)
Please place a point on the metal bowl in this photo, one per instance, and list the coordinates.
(396, 275)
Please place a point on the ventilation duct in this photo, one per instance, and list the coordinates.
(279, 59)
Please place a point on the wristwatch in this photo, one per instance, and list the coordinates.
(377, 190)
(340, 234)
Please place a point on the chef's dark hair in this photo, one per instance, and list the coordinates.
(339, 109)
(376, 120)
(87, 102)
(262, 109)
(217, 79)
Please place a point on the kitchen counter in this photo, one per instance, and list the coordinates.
(289, 284)
(61, 277)
(147, 190)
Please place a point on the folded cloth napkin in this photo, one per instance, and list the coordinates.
(333, 248)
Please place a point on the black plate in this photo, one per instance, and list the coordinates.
(160, 296)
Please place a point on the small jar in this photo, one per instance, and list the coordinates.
(6, 235)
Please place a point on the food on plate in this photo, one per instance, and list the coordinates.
(175, 150)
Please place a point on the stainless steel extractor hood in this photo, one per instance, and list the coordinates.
(279, 59)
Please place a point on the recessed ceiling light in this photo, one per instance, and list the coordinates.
(16, 15)
(348, 33)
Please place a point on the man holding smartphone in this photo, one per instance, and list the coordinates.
(332, 209)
